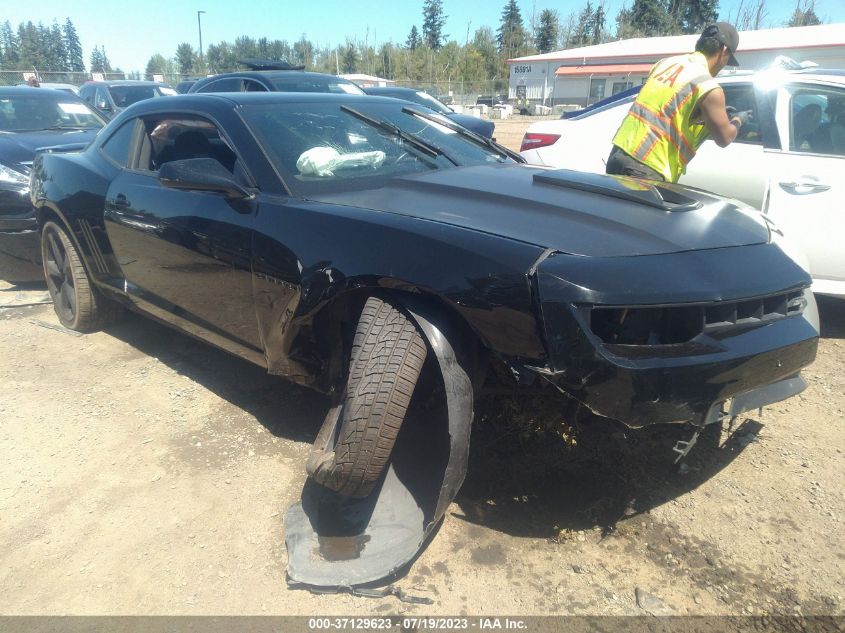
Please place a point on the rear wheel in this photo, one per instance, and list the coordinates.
(387, 356)
(77, 304)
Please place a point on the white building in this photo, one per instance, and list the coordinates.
(590, 73)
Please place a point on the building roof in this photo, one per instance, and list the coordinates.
(362, 77)
(767, 39)
(604, 69)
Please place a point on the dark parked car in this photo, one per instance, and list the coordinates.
(341, 241)
(183, 86)
(491, 101)
(32, 118)
(275, 77)
(479, 126)
(111, 97)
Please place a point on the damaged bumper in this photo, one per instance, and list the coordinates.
(643, 359)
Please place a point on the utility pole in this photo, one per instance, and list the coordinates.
(199, 28)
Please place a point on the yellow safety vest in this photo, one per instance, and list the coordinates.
(658, 130)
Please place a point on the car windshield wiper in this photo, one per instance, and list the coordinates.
(71, 127)
(395, 130)
(477, 138)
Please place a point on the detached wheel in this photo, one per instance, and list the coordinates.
(77, 304)
(386, 360)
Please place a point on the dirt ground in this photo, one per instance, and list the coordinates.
(146, 473)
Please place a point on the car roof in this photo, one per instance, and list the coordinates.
(29, 91)
(270, 74)
(126, 82)
(198, 100)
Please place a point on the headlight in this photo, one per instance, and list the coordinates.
(13, 176)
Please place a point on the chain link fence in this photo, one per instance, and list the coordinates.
(452, 92)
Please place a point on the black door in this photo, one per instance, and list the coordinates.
(185, 255)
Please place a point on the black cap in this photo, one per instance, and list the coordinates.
(727, 35)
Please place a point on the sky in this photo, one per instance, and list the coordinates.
(133, 31)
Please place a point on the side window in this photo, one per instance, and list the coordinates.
(181, 137)
(250, 85)
(228, 84)
(101, 100)
(87, 93)
(817, 120)
(117, 146)
(741, 97)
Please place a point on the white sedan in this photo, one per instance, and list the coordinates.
(789, 161)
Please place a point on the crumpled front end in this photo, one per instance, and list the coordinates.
(673, 337)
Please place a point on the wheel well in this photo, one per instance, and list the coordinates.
(334, 329)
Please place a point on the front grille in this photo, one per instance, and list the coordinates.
(672, 325)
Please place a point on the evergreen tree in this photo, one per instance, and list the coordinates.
(349, 58)
(303, 52)
(96, 61)
(99, 61)
(157, 65)
(583, 33)
(433, 23)
(598, 25)
(28, 46)
(804, 14)
(649, 18)
(185, 58)
(245, 47)
(55, 53)
(73, 48)
(548, 32)
(691, 16)
(9, 47)
(511, 36)
(413, 40)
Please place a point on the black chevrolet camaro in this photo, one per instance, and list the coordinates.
(341, 241)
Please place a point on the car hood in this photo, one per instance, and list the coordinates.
(479, 126)
(506, 200)
(20, 147)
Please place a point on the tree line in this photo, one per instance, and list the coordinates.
(430, 54)
(53, 48)
(427, 54)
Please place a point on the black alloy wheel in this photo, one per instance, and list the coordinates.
(59, 276)
(77, 304)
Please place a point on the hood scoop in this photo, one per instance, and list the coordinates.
(631, 189)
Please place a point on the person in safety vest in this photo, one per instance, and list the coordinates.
(680, 105)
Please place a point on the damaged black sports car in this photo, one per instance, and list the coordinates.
(341, 241)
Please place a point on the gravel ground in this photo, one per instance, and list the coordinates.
(147, 473)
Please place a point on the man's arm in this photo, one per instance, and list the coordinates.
(712, 108)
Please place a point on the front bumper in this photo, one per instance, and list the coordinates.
(689, 380)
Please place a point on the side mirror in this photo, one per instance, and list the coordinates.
(201, 174)
(102, 105)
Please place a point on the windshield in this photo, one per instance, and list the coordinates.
(297, 82)
(124, 96)
(25, 113)
(326, 147)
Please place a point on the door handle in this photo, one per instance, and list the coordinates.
(120, 202)
(803, 188)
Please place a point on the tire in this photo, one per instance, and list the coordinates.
(77, 304)
(387, 357)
